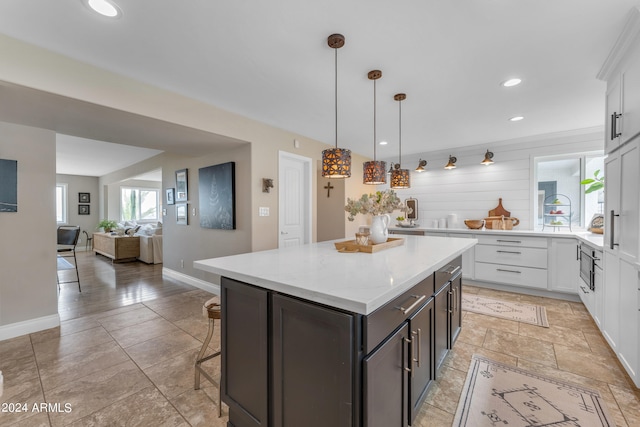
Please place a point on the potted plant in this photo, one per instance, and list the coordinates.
(107, 225)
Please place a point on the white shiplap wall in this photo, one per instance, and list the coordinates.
(472, 189)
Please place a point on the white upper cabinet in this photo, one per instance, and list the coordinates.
(621, 71)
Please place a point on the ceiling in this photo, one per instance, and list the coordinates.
(270, 61)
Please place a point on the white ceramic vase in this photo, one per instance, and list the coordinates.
(379, 229)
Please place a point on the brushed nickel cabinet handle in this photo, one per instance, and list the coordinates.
(612, 215)
(509, 241)
(510, 252)
(418, 334)
(412, 306)
(410, 352)
(508, 271)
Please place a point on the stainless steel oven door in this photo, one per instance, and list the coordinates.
(587, 268)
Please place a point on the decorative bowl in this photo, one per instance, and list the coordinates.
(474, 224)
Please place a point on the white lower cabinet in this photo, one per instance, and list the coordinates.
(468, 257)
(611, 300)
(564, 265)
(628, 344)
(512, 275)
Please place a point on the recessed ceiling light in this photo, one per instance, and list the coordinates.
(512, 82)
(105, 8)
(383, 142)
(516, 118)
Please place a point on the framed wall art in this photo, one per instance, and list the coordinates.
(8, 185)
(181, 194)
(170, 196)
(84, 209)
(216, 190)
(182, 217)
(84, 197)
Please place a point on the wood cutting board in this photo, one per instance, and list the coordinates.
(499, 210)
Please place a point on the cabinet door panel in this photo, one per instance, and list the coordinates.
(312, 365)
(613, 106)
(245, 352)
(455, 309)
(612, 202)
(630, 97)
(385, 383)
(565, 266)
(421, 330)
(629, 197)
(441, 320)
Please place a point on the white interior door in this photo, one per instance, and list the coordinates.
(294, 200)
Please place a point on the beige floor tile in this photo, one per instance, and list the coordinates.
(579, 321)
(628, 402)
(130, 318)
(15, 348)
(598, 344)
(147, 407)
(460, 356)
(161, 348)
(19, 370)
(199, 410)
(80, 341)
(37, 419)
(474, 320)
(469, 289)
(592, 365)
(180, 310)
(144, 331)
(555, 334)
(115, 311)
(26, 394)
(97, 391)
(430, 416)
(505, 296)
(176, 375)
(520, 347)
(444, 393)
(57, 372)
(66, 328)
(472, 335)
(198, 327)
(579, 308)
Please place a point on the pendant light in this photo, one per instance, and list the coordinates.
(336, 162)
(374, 172)
(400, 178)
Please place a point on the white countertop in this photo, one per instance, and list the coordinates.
(594, 240)
(357, 282)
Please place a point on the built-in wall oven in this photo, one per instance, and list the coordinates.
(588, 262)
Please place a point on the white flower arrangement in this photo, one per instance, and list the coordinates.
(382, 202)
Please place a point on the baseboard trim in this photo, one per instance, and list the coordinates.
(190, 280)
(30, 326)
(522, 290)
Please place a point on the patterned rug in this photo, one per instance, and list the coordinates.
(496, 394)
(520, 312)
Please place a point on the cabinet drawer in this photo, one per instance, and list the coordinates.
(506, 240)
(525, 257)
(379, 324)
(512, 275)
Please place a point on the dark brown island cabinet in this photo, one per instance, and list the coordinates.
(288, 362)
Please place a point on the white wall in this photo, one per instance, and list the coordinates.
(81, 184)
(472, 189)
(28, 299)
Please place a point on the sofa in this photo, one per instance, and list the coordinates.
(150, 236)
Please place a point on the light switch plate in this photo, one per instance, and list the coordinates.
(262, 211)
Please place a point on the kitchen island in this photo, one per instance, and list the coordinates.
(314, 337)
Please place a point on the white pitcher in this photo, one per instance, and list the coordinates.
(379, 230)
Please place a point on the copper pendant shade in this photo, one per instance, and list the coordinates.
(374, 172)
(336, 162)
(400, 178)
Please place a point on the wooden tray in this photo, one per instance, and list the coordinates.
(352, 246)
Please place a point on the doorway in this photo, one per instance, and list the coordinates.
(295, 195)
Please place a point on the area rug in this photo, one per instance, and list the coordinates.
(520, 312)
(496, 394)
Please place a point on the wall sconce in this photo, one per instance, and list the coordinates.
(267, 183)
(421, 165)
(487, 158)
(452, 163)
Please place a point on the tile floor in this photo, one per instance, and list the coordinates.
(134, 365)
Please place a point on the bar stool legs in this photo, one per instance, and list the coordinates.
(213, 313)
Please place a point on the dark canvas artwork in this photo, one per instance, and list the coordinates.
(216, 189)
(8, 185)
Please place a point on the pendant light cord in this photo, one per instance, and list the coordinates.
(400, 133)
(374, 121)
(336, 92)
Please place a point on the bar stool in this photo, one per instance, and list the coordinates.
(211, 309)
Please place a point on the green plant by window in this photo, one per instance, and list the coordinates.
(107, 225)
(594, 184)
